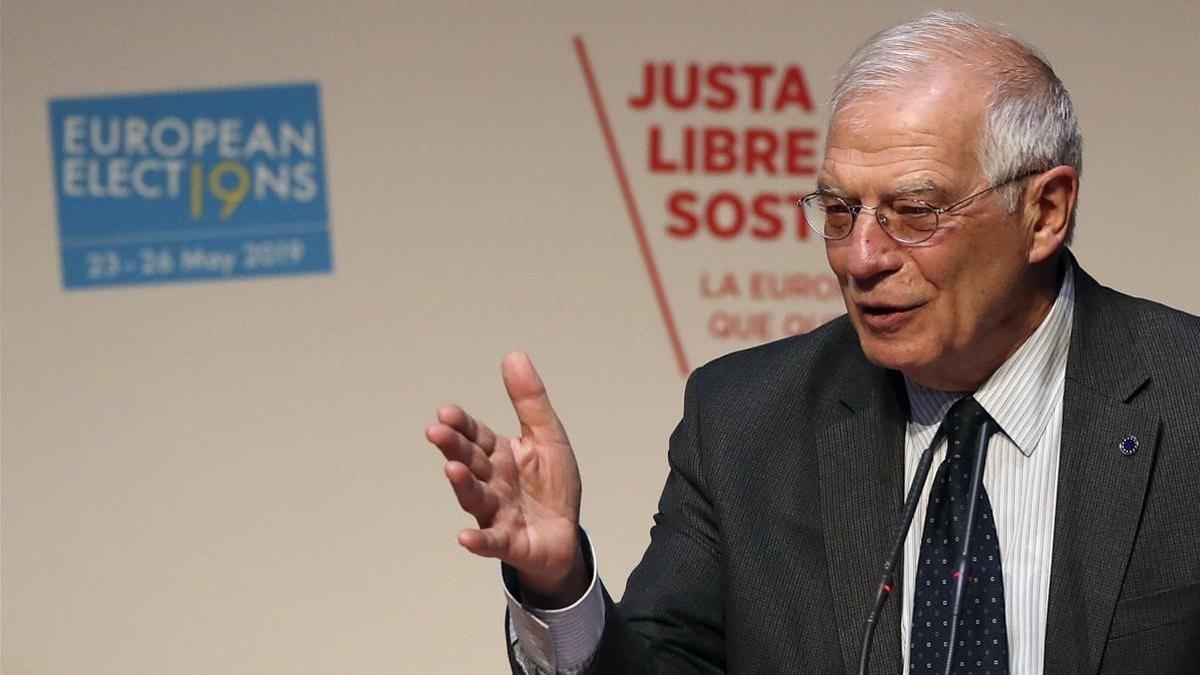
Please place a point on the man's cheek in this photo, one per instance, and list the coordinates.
(850, 308)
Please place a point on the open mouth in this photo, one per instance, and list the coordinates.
(886, 317)
(884, 310)
(881, 311)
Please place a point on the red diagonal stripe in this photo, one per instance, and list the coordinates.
(639, 230)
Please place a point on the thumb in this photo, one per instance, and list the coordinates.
(529, 400)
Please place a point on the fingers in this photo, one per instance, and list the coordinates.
(490, 543)
(473, 495)
(529, 399)
(475, 498)
(475, 431)
(458, 448)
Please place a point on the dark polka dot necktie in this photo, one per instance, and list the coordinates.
(982, 638)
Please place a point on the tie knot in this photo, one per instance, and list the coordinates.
(962, 425)
(966, 410)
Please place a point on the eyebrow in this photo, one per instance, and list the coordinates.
(920, 187)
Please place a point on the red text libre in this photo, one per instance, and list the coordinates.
(722, 150)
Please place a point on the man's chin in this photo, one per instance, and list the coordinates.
(892, 352)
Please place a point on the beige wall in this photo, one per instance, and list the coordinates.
(231, 477)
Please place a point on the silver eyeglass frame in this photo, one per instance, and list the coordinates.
(937, 211)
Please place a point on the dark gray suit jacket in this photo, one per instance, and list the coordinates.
(786, 481)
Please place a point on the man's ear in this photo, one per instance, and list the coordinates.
(1049, 203)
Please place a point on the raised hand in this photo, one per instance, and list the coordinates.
(524, 492)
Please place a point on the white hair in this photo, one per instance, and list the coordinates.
(1030, 123)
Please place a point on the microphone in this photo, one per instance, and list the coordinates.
(886, 583)
(884, 590)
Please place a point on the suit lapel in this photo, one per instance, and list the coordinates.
(862, 470)
(1101, 491)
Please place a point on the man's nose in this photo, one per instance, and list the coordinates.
(871, 251)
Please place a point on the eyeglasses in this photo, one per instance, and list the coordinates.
(907, 220)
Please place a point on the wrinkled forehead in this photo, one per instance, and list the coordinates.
(949, 101)
(939, 117)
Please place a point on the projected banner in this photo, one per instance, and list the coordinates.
(711, 159)
(191, 185)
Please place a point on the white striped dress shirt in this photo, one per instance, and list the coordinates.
(1025, 397)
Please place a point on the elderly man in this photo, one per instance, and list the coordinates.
(1061, 421)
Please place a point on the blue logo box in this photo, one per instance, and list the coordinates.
(190, 185)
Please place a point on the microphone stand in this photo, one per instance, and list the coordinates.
(884, 590)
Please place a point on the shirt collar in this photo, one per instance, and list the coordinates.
(1021, 395)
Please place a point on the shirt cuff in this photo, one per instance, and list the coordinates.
(556, 640)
